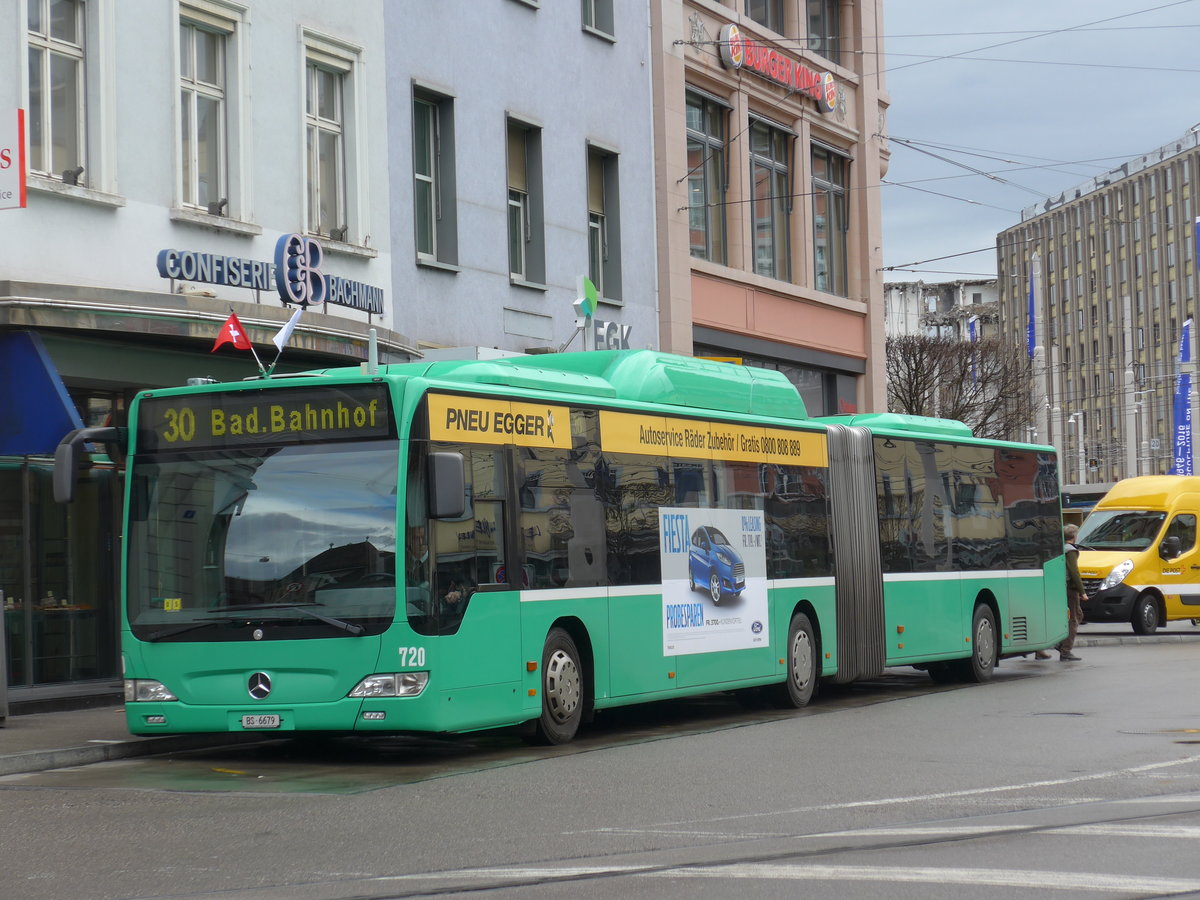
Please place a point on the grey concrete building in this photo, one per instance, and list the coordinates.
(1112, 268)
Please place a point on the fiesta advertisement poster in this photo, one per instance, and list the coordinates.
(714, 572)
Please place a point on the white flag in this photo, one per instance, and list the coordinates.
(280, 340)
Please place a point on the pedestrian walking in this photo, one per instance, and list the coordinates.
(1074, 594)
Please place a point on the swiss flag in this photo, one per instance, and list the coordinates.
(232, 332)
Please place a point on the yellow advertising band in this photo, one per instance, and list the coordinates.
(699, 439)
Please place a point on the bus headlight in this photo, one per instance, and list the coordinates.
(1117, 575)
(146, 690)
(395, 684)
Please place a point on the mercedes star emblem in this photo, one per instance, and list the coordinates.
(259, 685)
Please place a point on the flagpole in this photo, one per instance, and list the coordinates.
(261, 371)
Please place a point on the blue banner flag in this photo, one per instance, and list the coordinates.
(971, 333)
(1182, 406)
(1029, 330)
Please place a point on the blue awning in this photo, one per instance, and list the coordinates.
(35, 410)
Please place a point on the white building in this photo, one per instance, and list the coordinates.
(167, 139)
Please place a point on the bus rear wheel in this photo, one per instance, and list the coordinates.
(562, 689)
(1145, 615)
(801, 684)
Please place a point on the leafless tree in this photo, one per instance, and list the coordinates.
(987, 384)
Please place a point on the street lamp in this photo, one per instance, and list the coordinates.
(1077, 418)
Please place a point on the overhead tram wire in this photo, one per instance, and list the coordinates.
(1082, 26)
(1045, 62)
(988, 175)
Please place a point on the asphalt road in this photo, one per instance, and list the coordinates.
(1078, 778)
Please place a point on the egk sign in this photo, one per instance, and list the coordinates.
(740, 52)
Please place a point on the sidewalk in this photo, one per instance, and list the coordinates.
(51, 740)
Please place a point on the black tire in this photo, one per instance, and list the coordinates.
(562, 690)
(944, 673)
(1145, 615)
(984, 646)
(714, 587)
(691, 578)
(802, 664)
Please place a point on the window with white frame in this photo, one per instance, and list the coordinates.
(526, 240)
(772, 203)
(604, 224)
(203, 123)
(598, 16)
(325, 149)
(830, 178)
(434, 192)
(57, 119)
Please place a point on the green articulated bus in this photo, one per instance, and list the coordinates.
(453, 546)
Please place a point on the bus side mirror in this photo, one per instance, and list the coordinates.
(1171, 547)
(447, 485)
(69, 449)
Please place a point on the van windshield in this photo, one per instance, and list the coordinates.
(1121, 529)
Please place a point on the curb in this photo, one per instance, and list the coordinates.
(41, 760)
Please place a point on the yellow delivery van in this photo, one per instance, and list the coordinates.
(1138, 554)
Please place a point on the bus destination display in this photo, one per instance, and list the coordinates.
(273, 416)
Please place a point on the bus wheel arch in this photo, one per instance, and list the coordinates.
(1148, 613)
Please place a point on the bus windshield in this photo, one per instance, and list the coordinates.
(299, 538)
(1120, 529)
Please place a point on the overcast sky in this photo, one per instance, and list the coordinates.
(1074, 90)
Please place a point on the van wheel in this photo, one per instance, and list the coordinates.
(801, 650)
(562, 690)
(982, 662)
(1145, 615)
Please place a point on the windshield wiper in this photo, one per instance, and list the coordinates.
(348, 627)
(190, 626)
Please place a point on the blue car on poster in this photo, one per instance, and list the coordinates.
(715, 565)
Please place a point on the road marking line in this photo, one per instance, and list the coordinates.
(1035, 880)
(1190, 832)
(1031, 880)
(948, 795)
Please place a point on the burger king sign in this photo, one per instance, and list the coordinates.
(740, 52)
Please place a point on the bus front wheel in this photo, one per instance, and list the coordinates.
(1145, 615)
(801, 649)
(982, 661)
(562, 689)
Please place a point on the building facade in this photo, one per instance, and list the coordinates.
(169, 146)
(768, 157)
(713, 177)
(515, 175)
(1107, 272)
